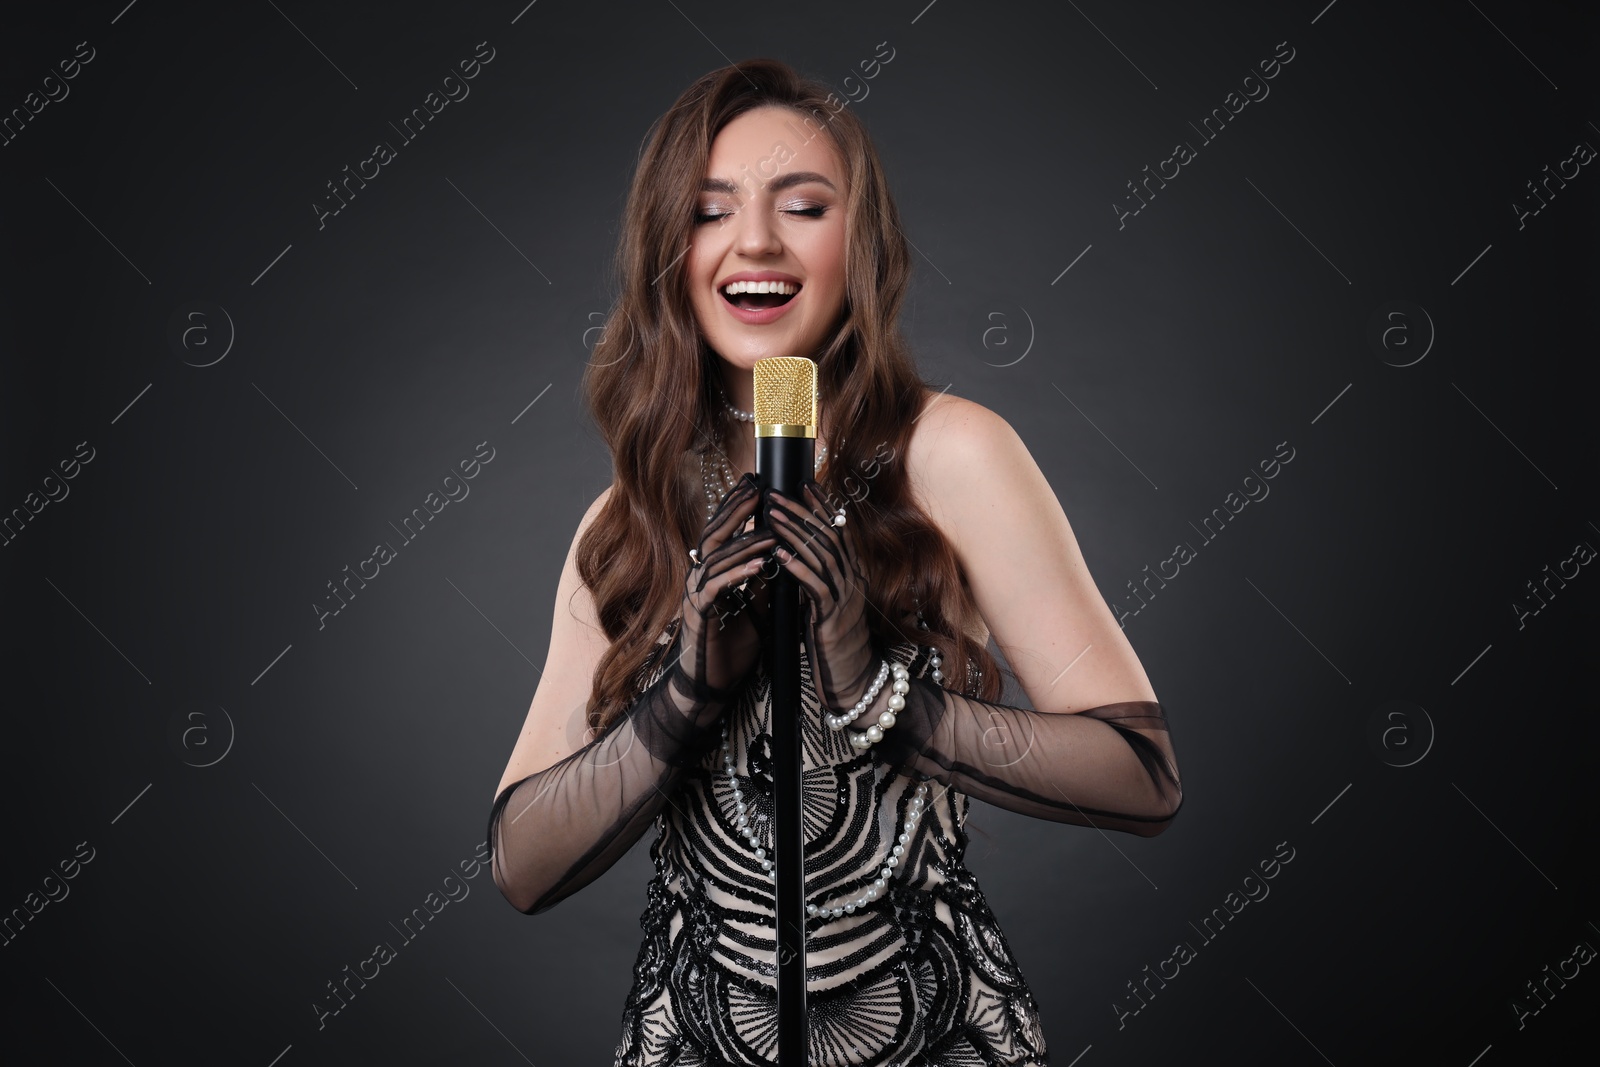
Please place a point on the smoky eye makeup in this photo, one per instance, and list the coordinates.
(712, 210)
(808, 208)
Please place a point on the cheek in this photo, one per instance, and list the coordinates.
(699, 269)
(831, 268)
(699, 264)
(704, 311)
(833, 252)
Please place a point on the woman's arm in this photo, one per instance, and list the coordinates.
(555, 725)
(570, 805)
(1097, 750)
(1111, 767)
(560, 828)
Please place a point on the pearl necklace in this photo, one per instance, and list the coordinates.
(860, 740)
(726, 479)
(742, 416)
(839, 906)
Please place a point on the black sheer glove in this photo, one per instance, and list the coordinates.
(557, 830)
(1110, 767)
(723, 609)
(824, 561)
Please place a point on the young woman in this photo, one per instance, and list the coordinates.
(760, 224)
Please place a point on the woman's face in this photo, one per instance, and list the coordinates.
(771, 212)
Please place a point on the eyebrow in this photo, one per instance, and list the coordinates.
(777, 185)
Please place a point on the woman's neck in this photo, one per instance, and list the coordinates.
(738, 444)
(738, 441)
(739, 385)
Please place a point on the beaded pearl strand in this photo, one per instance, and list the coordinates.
(864, 739)
(839, 906)
(833, 909)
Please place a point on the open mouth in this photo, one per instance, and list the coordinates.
(759, 296)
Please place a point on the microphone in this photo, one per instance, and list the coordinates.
(786, 437)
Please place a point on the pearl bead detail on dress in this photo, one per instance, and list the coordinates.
(743, 823)
(833, 909)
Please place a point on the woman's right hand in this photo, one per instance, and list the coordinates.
(720, 636)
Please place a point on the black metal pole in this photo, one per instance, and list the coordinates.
(783, 463)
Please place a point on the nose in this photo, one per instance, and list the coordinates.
(757, 234)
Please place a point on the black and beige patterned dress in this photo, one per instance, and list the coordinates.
(922, 975)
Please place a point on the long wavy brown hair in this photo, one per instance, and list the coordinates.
(650, 388)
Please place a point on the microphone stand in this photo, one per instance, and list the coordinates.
(785, 455)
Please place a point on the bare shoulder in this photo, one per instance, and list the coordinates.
(954, 441)
(1022, 560)
(958, 456)
(594, 509)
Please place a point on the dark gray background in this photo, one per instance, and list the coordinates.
(1230, 315)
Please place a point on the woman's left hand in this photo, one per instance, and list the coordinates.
(825, 562)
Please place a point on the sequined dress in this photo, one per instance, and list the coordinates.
(922, 975)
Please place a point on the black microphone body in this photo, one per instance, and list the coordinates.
(783, 463)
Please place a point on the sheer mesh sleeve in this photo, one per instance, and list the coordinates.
(1111, 767)
(557, 830)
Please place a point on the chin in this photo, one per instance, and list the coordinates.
(744, 354)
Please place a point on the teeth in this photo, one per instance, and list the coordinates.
(782, 288)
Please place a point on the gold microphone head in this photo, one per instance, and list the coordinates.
(785, 397)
